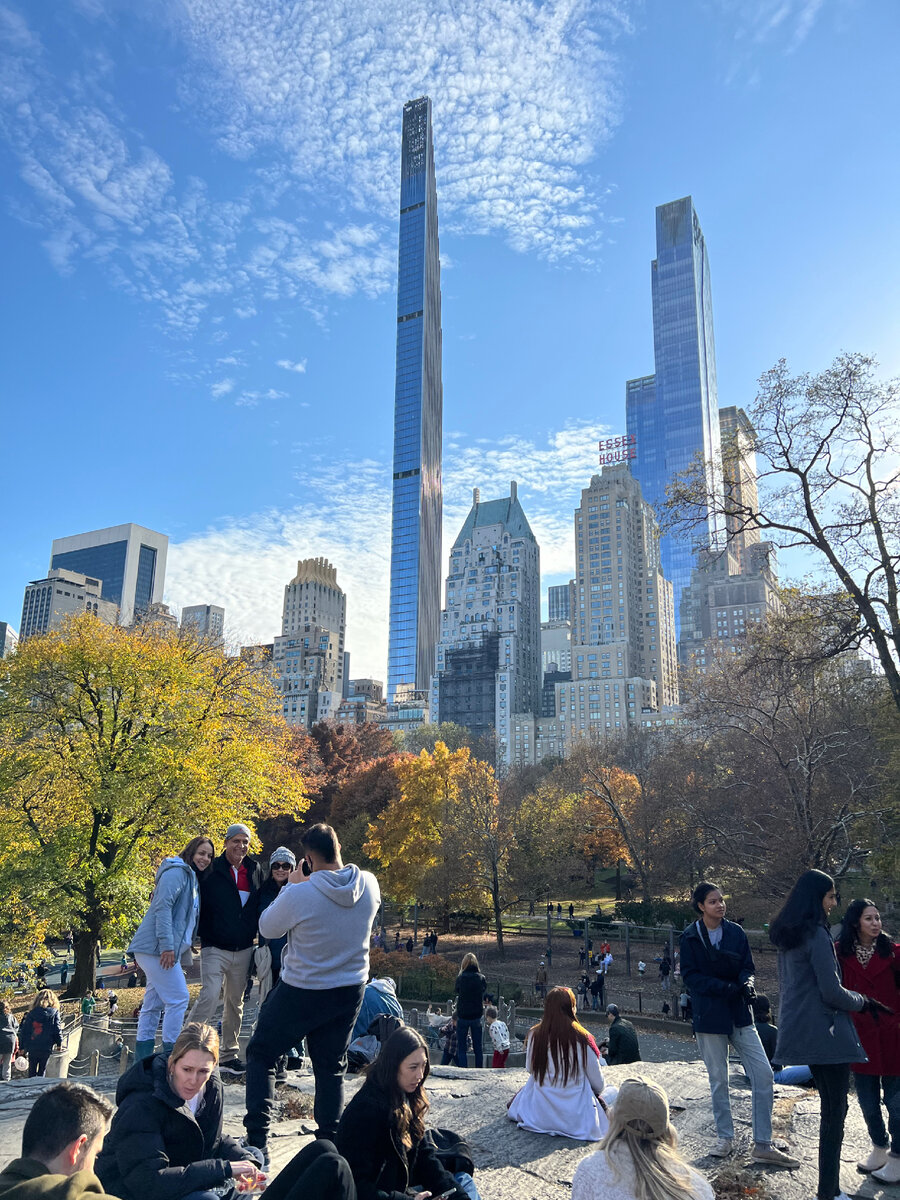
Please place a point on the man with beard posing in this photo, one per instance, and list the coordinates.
(326, 909)
(228, 922)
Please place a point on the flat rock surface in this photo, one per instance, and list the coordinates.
(515, 1165)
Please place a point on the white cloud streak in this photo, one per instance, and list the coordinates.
(287, 365)
(344, 514)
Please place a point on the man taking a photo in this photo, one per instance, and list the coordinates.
(326, 909)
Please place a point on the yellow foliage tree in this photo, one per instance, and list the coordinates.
(419, 839)
(116, 747)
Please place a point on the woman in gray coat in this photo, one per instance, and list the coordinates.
(814, 1023)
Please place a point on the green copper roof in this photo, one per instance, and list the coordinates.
(506, 512)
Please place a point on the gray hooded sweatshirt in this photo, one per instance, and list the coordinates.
(328, 921)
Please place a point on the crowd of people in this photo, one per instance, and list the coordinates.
(304, 929)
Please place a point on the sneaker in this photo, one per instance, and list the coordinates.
(875, 1161)
(233, 1066)
(890, 1172)
(722, 1148)
(773, 1157)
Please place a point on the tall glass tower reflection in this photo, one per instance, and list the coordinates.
(418, 404)
(675, 413)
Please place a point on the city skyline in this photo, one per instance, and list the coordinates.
(199, 299)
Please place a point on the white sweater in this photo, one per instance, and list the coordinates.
(595, 1178)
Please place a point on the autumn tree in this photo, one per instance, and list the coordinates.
(798, 770)
(828, 461)
(116, 747)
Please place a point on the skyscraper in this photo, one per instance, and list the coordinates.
(488, 661)
(129, 560)
(674, 414)
(309, 655)
(740, 481)
(559, 602)
(48, 602)
(418, 405)
(206, 620)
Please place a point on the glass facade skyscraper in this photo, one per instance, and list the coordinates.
(418, 406)
(674, 414)
(129, 560)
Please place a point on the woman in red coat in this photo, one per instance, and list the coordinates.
(870, 963)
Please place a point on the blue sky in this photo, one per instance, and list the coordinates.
(199, 246)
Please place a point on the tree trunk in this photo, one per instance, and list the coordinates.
(498, 912)
(83, 978)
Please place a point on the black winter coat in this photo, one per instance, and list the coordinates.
(156, 1149)
(40, 1030)
(471, 986)
(383, 1169)
(715, 978)
(224, 922)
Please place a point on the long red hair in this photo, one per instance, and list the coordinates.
(560, 1035)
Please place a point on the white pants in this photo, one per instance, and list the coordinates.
(220, 968)
(166, 989)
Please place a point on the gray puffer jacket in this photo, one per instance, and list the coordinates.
(814, 1022)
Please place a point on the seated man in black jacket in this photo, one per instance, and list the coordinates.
(623, 1039)
(229, 918)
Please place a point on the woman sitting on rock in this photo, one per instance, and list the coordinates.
(563, 1093)
(637, 1159)
(382, 1130)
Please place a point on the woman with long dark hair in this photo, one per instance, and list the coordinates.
(717, 967)
(870, 964)
(163, 938)
(382, 1131)
(565, 1082)
(815, 1025)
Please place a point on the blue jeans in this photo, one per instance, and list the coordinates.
(714, 1052)
(868, 1093)
(462, 1045)
(466, 1184)
(798, 1076)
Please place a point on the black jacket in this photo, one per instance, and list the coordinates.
(40, 1030)
(156, 1149)
(471, 986)
(623, 1043)
(224, 923)
(715, 977)
(382, 1168)
(264, 897)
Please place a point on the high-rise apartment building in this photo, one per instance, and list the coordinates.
(559, 602)
(63, 594)
(206, 620)
(309, 656)
(740, 481)
(674, 414)
(556, 646)
(129, 559)
(418, 406)
(9, 639)
(731, 590)
(488, 661)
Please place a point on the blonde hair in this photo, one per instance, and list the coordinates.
(469, 960)
(46, 999)
(660, 1173)
(195, 1036)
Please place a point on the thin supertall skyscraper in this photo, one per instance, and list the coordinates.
(674, 414)
(418, 405)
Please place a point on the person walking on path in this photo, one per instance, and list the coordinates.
(718, 971)
(638, 1158)
(470, 988)
(40, 1032)
(9, 1040)
(815, 1023)
(540, 980)
(665, 973)
(229, 917)
(162, 944)
(870, 964)
(327, 911)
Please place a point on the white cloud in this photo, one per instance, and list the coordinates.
(344, 514)
(299, 367)
(222, 388)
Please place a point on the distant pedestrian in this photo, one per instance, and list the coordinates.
(683, 1001)
(410, 945)
(549, 908)
(88, 1004)
(558, 910)
(666, 1010)
(499, 1032)
(665, 971)
(549, 956)
(448, 1032)
(64, 975)
(40, 1032)
(9, 1040)
(571, 912)
(540, 980)
(581, 957)
(531, 908)
(113, 1003)
(597, 992)
(642, 967)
